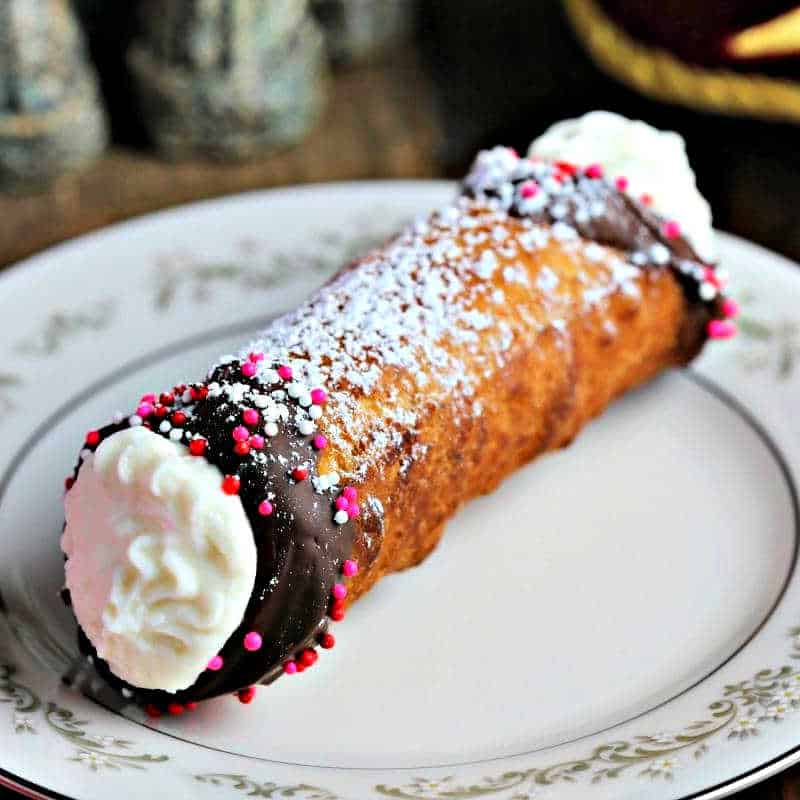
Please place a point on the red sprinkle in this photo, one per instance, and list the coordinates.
(178, 418)
(246, 695)
(249, 369)
(646, 199)
(529, 189)
(231, 484)
(161, 411)
(621, 183)
(166, 399)
(241, 448)
(256, 357)
(671, 229)
(721, 329)
(285, 372)
(191, 706)
(198, 446)
(337, 611)
(152, 711)
(594, 171)
(299, 473)
(251, 416)
(730, 308)
(93, 437)
(175, 709)
(566, 167)
(308, 657)
(327, 641)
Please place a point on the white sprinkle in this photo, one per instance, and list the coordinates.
(118, 417)
(134, 420)
(271, 429)
(261, 401)
(305, 399)
(707, 291)
(594, 252)
(296, 389)
(487, 264)
(186, 396)
(165, 426)
(340, 517)
(315, 412)
(639, 258)
(85, 453)
(333, 478)
(660, 254)
(564, 232)
(306, 427)
(176, 434)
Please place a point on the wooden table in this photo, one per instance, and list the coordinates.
(379, 124)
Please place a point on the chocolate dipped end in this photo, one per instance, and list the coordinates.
(300, 548)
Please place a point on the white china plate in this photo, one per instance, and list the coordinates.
(619, 620)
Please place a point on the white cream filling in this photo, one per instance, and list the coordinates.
(653, 161)
(161, 562)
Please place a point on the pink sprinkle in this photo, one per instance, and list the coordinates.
(265, 508)
(216, 664)
(350, 492)
(730, 308)
(621, 183)
(256, 357)
(672, 229)
(256, 441)
(148, 398)
(320, 441)
(290, 668)
(710, 275)
(349, 568)
(513, 152)
(251, 416)
(353, 510)
(249, 369)
(318, 396)
(253, 641)
(144, 409)
(339, 591)
(721, 329)
(529, 189)
(285, 372)
(342, 503)
(240, 433)
(594, 171)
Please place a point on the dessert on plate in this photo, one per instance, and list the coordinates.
(215, 532)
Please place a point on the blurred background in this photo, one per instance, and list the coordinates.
(109, 110)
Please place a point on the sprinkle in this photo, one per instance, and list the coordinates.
(241, 448)
(176, 434)
(144, 409)
(148, 398)
(176, 709)
(178, 418)
(306, 427)
(197, 447)
(353, 510)
(529, 189)
(671, 229)
(265, 508)
(646, 199)
(134, 420)
(707, 291)
(315, 412)
(253, 641)
(350, 568)
(320, 442)
(230, 484)
(285, 372)
(730, 308)
(256, 441)
(327, 641)
(621, 183)
(594, 171)
(251, 416)
(336, 612)
(339, 591)
(305, 399)
(191, 706)
(350, 493)
(255, 357)
(240, 433)
(271, 429)
(246, 695)
(333, 478)
(340, 517)
(319, 397)
(164, 427)
(215, 664)
(152, 711)
(721, 329)
(342, 503)
(566, 167)
(295, 390)
(93, 438)
(166, 399)
(659, 254)
(299, 473)
(290, 668)
(308, 657)
(249, 369)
